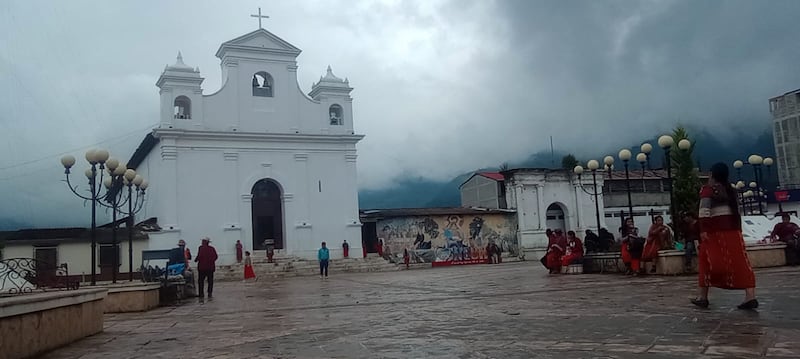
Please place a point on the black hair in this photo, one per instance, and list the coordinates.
(720, 173)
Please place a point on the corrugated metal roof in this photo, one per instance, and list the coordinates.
(497, 176)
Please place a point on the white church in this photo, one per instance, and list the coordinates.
(258, 159)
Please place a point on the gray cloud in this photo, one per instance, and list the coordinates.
(440, 86)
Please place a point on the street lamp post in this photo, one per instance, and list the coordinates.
(646, 148)
(666, 142)
(136, 186)
(756, 161)
(643, 159)
(593, 166)
(117, 175)
(125, 177)
(740, 193)
(97, 159)
(115, 171)
(625, 156)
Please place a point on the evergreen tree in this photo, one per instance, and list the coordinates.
(569, 162)
(685, 181)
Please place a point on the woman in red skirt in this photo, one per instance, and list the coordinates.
(657, 238)
(722, 257)
(248, 266)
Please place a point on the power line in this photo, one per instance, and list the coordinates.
(78, 148)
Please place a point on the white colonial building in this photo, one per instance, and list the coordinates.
(258, 159)
(543, 199)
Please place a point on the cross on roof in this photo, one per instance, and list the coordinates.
(259, 16)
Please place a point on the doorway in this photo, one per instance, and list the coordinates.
(555, 218)
(46, 261)
(267, 210)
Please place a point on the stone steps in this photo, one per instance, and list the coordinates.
(294, 267)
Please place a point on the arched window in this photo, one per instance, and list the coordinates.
(183, 108)
(262, 84)
(336, 113)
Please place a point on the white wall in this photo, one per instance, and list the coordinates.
(77, 255)
(533, 191)
(480, 191)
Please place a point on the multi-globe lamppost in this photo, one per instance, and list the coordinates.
(756, 162)
(592, 166)
(666, 142)
(122, 177)
(135, 200)
(98, 160)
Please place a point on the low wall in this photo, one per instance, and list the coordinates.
(131, 298)
(672, 262)
(31, 324)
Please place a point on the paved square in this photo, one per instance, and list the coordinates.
(512, 310)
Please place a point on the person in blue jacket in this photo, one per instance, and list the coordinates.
(323, 255)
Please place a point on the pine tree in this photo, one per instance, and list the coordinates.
(685, 181)
(569, 162)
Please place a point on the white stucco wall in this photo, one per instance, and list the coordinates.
(532, 191)
(480, 191)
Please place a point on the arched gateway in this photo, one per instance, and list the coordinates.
(267, 210)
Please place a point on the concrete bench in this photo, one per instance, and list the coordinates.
(603, 262)
(672, 262)
(572, 269)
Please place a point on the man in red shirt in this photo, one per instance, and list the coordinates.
(785, 232)
(206, 264)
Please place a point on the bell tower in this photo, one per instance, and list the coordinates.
(334, 93)
(181, 95)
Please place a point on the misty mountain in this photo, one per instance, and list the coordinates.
(709, 149)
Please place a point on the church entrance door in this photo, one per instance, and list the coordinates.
(267, 209)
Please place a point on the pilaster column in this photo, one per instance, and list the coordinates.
(540, 205)
(579, 207)
(169, 181)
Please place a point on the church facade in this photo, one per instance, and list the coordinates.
(257, 160)
(542, 199)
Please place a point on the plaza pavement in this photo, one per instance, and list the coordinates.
(506, 311)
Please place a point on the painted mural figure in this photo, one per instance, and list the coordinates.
(420, 243)
(475, 231)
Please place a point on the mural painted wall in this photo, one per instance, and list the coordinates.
(444, 237)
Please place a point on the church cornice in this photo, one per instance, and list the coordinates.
(241, 44)
(255, 136)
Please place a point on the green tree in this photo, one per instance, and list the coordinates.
(569, 162)
(685, 181)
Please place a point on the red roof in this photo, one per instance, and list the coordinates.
(497, 176)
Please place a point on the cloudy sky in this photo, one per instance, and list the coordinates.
(441, 86)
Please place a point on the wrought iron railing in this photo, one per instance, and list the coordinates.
(26, 275)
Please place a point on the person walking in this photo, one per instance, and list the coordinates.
(324, 256)
(248, 267)
(722, 257)
(345, 249)
(239, 249)
(206, 264)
